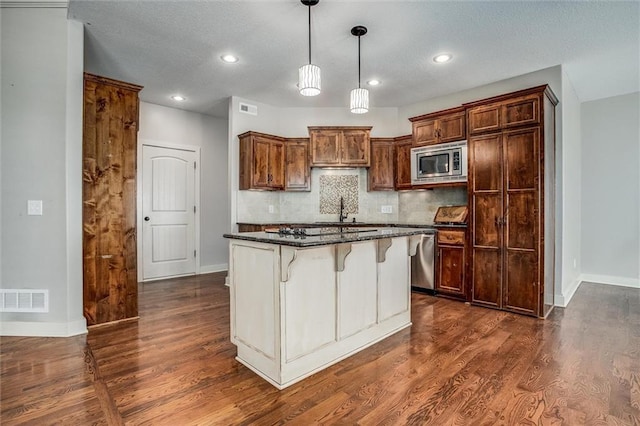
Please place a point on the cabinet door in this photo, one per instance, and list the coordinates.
(297, 165)
(484, 118)
(260, 172)
(522, 209)
(325, 147)
(276, 165)
(452, 128)
(380, 173)
(355, 148)
(425, 132)
(521, 111)
(485, 193)
(450, 278)
(403, 165)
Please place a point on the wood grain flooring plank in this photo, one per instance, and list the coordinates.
(456, 365)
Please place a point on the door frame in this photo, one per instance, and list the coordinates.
(139, 161)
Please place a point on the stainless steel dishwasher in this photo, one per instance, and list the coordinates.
(422, 264)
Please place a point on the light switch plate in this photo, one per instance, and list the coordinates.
(34, 207)
(386, 209)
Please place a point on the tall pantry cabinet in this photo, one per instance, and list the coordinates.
(110, 130)
(511, 145)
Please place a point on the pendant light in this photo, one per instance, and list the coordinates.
(359, 97)
(309, 75)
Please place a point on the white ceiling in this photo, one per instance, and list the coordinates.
(174, 47)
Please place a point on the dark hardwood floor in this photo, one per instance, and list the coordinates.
(457, 364)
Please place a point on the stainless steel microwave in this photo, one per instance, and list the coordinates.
(441, 163)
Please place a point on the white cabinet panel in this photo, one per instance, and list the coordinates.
(310, 302)
(253, 290)
(393, 275)
(295, 311)
(357, 292)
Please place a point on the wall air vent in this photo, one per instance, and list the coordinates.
(24, 300)
(248, 109)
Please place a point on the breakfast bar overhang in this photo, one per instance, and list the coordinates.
(302, 303)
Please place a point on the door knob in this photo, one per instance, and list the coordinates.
(146, 219)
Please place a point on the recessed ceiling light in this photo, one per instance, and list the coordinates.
(230, 59)
(374, 82)
(442, 58)
(178, 98)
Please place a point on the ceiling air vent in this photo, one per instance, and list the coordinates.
(248, 109)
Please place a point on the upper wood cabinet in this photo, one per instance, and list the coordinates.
(439, 127)
(297, 169)
(402, 158)
(509, 113)
(261, 161)
(340, 146)
(380, 174)
(109, 147)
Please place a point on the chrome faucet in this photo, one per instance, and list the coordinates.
(343, 215)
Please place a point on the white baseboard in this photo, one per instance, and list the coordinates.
(611, 280)
(214, 268)
(563, 299)
(43, 329)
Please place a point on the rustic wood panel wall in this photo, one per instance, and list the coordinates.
(109, 199)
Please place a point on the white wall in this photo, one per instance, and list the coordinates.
(178, 127)
(570, 180)
(611, 190)
(42, 64)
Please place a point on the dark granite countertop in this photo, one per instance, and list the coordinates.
(346, 223)
(350, 235)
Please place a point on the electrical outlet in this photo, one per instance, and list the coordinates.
(271, 208)
(34, 207)
(386, 209)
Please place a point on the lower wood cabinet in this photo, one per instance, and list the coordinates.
(451, 263)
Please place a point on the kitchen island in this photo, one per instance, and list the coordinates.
(301, 302)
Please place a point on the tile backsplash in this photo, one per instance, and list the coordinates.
(335, 188)
(322, 203)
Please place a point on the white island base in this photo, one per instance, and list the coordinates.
(298, 310)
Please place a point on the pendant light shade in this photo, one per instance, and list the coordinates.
(309, 75)
(309, 80)
(359, 99)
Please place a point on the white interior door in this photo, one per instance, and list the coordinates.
(168, 212)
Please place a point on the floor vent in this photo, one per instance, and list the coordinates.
(24, 300)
